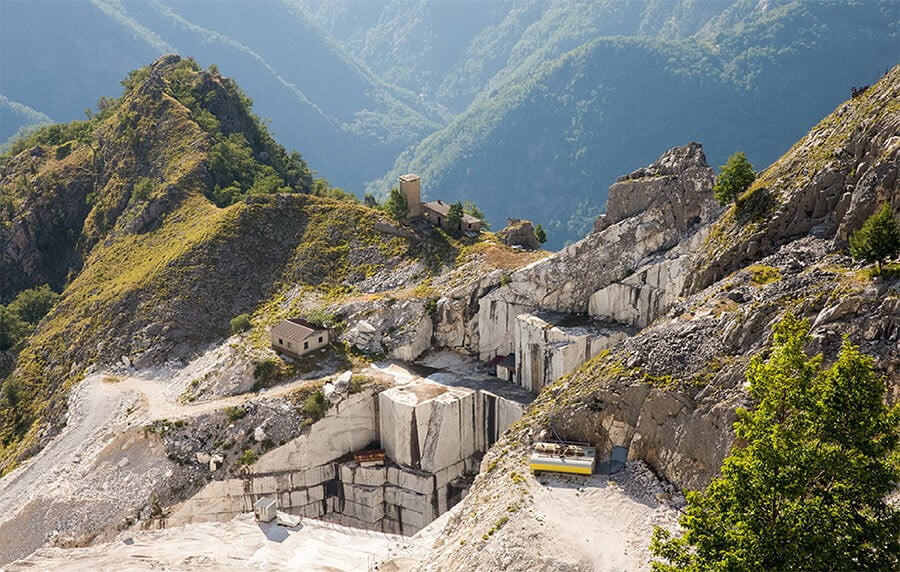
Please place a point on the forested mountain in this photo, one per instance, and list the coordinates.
(530, 108)
(60, 57)
(550, 133)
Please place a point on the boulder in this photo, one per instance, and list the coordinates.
(519, 233)
(342, 383)
(330, 393)
(259, 434)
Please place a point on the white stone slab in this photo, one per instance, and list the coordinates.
(346, 427)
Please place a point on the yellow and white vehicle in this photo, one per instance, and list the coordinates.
(576, 458)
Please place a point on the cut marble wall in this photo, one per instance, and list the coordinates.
(650, 291)
(436, 433)
(429, 426)
(349, 426)
(496, 324)
(546, 351)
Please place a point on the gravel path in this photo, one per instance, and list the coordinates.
(101, 468)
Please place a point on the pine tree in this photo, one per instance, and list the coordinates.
(806, 489)
(396, 206)
(878, 239)
(454, 216)
(735, 177)
(540, 234)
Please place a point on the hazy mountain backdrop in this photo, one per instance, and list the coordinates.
(528, 107)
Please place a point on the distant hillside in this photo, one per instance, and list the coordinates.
(60, 57)
(528, 107)
(547, 141)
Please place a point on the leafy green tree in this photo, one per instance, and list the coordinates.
(454, 216)
(878, 239)
(33, 304)
(322, 188)
(396, 206)
(806, 489)
(19, 318)
(735, 177)
(540, 234)
(240, 323)
(472, 209)
(12, 328)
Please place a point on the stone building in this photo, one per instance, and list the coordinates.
(435, 211)
(296, 337)
(412, 192)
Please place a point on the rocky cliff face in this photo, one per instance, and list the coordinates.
(669, 392)
(826, 185)
(40, 240)
(652, 211)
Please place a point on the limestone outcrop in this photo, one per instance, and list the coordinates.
(628, 270)
(519, 233)
(457, 311)
(401, 329)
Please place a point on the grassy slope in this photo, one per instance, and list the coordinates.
(827, 148)
(164, 272)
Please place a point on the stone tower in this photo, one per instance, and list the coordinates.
(409, 188)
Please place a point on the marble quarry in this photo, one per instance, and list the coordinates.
(434, 436)
(549, 345)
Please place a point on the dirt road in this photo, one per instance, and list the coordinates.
(50, 495)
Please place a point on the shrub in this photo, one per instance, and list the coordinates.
(735, 177)
(240, 323)
(315, 406)
(878, 239)
(761, 274)
(142, 189)
(540, 234)
(234, 413)
(20, 317)
(431, 305)
(12, 328)
(357, 383)
(248, 457)
(321, 317)
(267, 372)
(33, 304)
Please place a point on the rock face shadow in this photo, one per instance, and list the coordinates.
(275, 532)
(615, 463)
